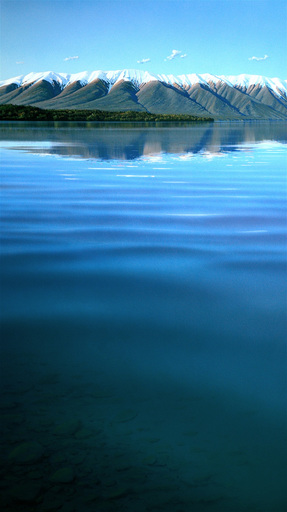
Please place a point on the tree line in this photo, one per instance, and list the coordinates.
(27, 113)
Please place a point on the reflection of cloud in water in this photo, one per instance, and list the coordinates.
(150, 143)
(254, 231)
(208, 155)
(135, 176)
(195, 214)
(150, 159)
(187, 156)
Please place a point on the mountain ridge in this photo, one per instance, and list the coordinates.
(222, 97)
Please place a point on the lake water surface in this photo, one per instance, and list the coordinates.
(143, 304)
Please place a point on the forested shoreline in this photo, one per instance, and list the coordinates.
(28, 113)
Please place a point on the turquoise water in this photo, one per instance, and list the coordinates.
(143, 299)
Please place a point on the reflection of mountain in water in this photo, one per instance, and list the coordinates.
(133, 140)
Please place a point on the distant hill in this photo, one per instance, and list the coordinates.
(218, 97)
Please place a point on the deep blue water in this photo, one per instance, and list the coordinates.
(143, 300)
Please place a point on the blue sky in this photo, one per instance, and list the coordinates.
(224, 37)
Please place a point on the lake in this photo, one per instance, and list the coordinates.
(143, 306)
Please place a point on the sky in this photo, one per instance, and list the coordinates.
(221, 37)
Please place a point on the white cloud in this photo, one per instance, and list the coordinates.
(258, 58)
(20, 62)
(183, 55)
(143, 61)
(71, 58)
(173, 54)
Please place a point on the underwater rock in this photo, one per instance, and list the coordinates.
(51, 378)
(51, 502)
(149, 460)
(152, 440)
(26, 453)
(123, 466)
(34, 475)
(191, 433)
(46, 422)
(78, 458)
(69, 507)
(8, 405)
(100, 393)
(83, 433)
(68, 428)
(58, 458)
(12, 419)
(117, 493)
(125, 415)
(109, 482)
(25, 492)
(63, 476)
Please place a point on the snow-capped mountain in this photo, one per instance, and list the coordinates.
(222, 97)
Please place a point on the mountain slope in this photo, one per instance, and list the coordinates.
(122, 96)
(221, 97)
(161, 98)
(38, 92)
(75, 95)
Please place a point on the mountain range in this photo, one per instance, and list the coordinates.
(206, 95)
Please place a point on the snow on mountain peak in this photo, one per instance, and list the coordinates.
(139, 77)
(275, 84)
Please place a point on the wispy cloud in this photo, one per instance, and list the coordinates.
(71, 58)
(183, 55)
(258, 58)
(143, 61)
(20, 62)
(174, 53)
